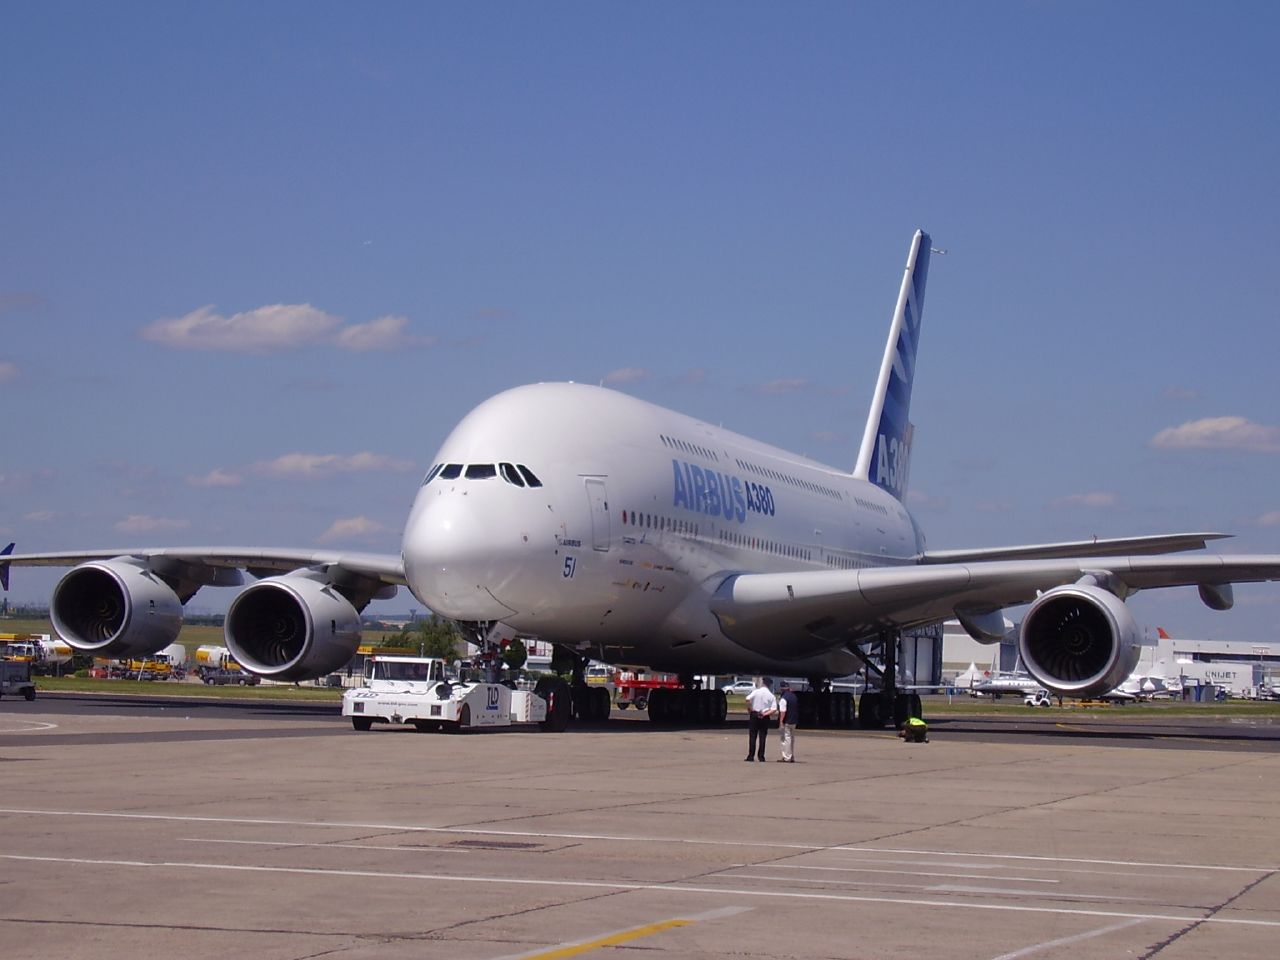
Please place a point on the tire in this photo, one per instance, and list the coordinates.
(426, 726)
(362, 723)
(721, 713)
(241, 682)
(29, 693)
(916, 706)
(901, 710)
(871, 712)
(641, 702)
(600, 704)
(622, 704)
(559, 703)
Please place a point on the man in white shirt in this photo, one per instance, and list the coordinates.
(761, 707)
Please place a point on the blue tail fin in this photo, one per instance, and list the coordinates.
(4, 568)
(885, 455)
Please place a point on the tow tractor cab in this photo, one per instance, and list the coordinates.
(429, 694)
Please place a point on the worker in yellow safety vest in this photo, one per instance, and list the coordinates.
(914, 730)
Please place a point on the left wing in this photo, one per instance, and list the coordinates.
(1075, 637)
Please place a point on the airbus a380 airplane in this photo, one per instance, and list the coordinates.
(618, 529)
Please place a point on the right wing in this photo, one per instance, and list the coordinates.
(300, 620)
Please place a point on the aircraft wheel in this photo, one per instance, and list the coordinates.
(362, 723)
(901, 710)
(870, 712)
(559, 703)
(916, 706)
(600, 704)
(659, 701)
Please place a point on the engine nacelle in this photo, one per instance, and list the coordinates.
(1080, 641)
(292, 627)
(115, 608)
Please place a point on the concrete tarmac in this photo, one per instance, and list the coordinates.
(202, 833)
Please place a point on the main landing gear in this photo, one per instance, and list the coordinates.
(688, 705)
(878, 708)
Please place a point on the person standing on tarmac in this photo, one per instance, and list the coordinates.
(788, 717)
(761, 706)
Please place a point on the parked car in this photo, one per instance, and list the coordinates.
(739, 687)
(223, 677)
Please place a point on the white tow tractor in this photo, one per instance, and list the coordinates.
(429, 694)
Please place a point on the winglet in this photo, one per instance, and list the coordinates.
(4, 568)
(885, 455)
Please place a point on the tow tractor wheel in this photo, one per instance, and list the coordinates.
(362, 723)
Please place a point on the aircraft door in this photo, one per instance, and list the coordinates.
(601, 538)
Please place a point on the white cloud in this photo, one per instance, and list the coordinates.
(217, 477)
(1271, 519)
(40, 516)
(385, 333)
(328, 464)
(1097, 498)
(1181, 393)
(279, 326)
(627, 375)
(140, 523)
(8, 371)
(352, 528)
(1219, 433)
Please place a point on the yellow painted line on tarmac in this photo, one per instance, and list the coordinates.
(573, 950)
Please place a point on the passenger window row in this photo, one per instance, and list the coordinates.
(693, 448)
(780, 477)
(516, 474)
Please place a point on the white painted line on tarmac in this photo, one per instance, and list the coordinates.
(629, 838)
(1063, 941)
(327, 846)
(31, 726)
(1051, 867)
(908, 873)
(1031, 858)
(657, 887)
(943, 888)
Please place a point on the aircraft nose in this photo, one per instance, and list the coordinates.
(459, 554)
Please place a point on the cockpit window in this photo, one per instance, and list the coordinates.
(431, 475)
(481, 471)
(510, 474)
(451, 472)
(528, 476)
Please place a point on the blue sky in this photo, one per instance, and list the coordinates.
(257, 259)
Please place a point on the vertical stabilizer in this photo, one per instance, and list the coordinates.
(885, 455)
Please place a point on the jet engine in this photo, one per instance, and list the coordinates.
(1080, 640)
(115, 608)
(292, 627)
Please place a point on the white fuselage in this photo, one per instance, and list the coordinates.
(641, 514)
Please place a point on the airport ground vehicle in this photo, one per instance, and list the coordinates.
(636, 690)
(429, 694)
(15, 679)
(1038, 698)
